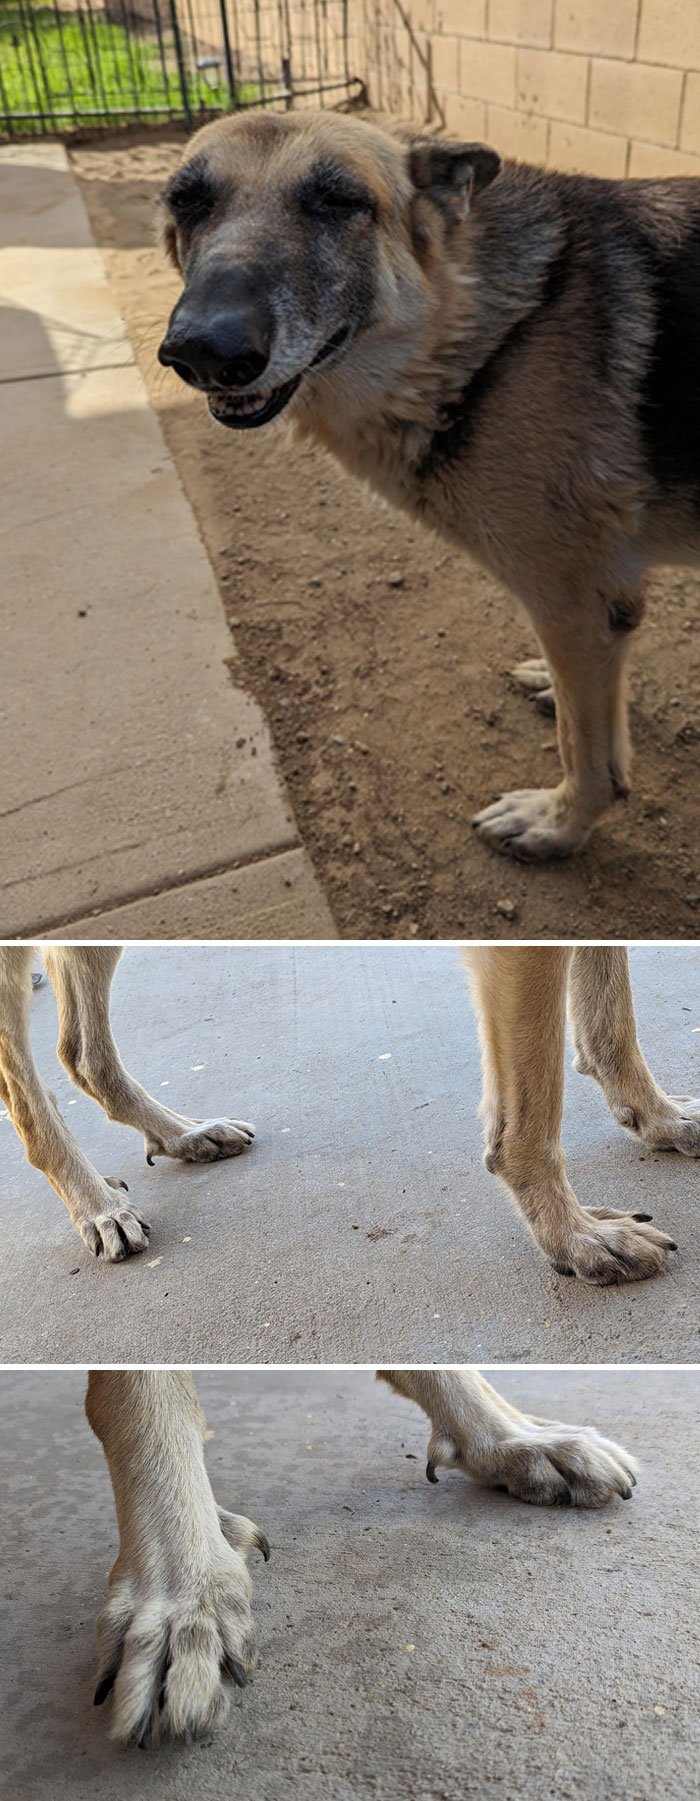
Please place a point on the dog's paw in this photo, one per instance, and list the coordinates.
(676, 1127)
(532, 824)
(617, 1247)
(117, 1232)
(171, 1645)
(200, 1140)
(534, 680)
(545, 1463)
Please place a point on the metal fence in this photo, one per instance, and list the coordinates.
(70, 64)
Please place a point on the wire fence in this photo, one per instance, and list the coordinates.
(71, 64)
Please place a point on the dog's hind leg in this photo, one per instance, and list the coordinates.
(586, 658)
(543, 1461)
(607, 1048)
(82, 978)
(520, 994)
(176, 1623)
(99, 1211)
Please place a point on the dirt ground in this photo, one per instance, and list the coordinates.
(381, 660)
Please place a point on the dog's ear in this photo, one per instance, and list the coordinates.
(451, 174)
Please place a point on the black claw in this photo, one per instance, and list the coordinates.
(263, 1545)
(626, 1494)
(430, 1472)
(98, 1248)
(145, 1739)
(150, 1160)
(103, 1688)
(643, 1216)
(236, 1670)
(672, 1246)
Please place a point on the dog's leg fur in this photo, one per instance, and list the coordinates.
(543, 1461)
(100, 1213)
(521, 999)
(82, 978)
(607, 1048)
(177, 1617)
(586, 662)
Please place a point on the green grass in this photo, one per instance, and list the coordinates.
(68, 72)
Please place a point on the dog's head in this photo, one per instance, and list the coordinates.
(294, 236)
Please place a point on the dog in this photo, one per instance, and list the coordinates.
(520, 993)
(176, 1630)
(510, 355)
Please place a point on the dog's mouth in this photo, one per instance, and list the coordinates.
(244, 411)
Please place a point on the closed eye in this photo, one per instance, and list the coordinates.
(330, 191)
(191, 194)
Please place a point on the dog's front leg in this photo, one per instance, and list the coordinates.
(82, 979)
(607, 1048)
(585, 656)
(542, 1461)
(176, 1622)
(98, 1205)
(520, 994)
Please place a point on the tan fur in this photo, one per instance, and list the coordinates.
(549, 490)
(521, 994)
(177, 1618)
(177, 1615)
(82, 975)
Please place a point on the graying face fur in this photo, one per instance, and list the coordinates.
(278, 266)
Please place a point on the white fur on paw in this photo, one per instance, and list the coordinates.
(202, 1141)
(531, 824)
(613, 1247)
(533, 678)
(171, 1649)
(679, 1131)
(547, 1464)
(116, 1233)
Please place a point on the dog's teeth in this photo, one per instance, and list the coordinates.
(243, 403)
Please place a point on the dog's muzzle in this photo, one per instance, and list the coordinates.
(224, 360)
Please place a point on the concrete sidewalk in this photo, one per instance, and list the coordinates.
(362, 1225)
(416, 1643)
(139, 793)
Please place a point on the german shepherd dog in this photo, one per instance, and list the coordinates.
(176, 1630)
(510, 355)
(521, 997)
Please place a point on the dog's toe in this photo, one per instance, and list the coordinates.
(117, 1233)
(533, 679)
(531, 824)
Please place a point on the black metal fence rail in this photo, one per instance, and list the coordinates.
(66, 64)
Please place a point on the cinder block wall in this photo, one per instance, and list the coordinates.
(609, 87)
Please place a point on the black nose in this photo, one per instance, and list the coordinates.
(224, 350)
